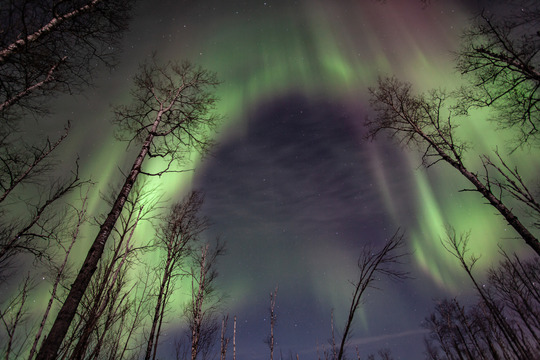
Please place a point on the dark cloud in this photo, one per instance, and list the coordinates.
(299, 168)
(295, 199)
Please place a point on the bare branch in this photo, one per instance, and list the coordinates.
(189, 104)
(370, 264)
(415, 119)
(500, 57)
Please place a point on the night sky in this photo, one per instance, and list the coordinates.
(293, 186)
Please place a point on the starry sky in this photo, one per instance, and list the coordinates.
(293, 186)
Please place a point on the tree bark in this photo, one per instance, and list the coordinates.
(45, 29)
(157, 311)
(64, 318)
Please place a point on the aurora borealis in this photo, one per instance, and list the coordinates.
(293, 186)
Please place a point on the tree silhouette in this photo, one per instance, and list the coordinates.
(176, 238)
(107, 302)
(171, 109)
(202, 310)
(500, 58)
(426, 122)
(51, 46)
(46, 48)
(503, 324)
(371, 264)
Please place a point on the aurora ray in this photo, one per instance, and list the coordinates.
(293, 186)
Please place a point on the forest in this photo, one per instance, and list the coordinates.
(112, 276)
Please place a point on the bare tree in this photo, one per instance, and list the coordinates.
(201, 337)
(234, 338)
(105, 303)
(426, 122)
(20, 165)
(513, 285)
(171, 109)
(333, 339)
(11, 317)
(31, 232)
(385, 354)
(176, 237)
(273, 318)
(202, 311)
(500, 58)
(51, 46)
(127, 340)
(498, 326)
(224, 340)
(457, 246)
(371, 264)
(59, 271)
(502, 325)
(455, 332)
(46, 47)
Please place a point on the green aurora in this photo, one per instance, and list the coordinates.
(331, 50)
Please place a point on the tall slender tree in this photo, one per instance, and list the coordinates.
(171, 113)
(425, 121)
(105, 302)
(503, 324)
(175, 240)
(201, 312)
(372, 263)
(273, 319)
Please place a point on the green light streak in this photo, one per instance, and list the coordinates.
(382, 178)
(431, 229)
(336, 52)
(326, 52)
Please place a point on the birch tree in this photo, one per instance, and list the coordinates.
(500, 57)
(371, 264)
(47, 47)
(52, 46)
(201, 312)
(503, 324)
(175, 239)
(171, 112)
(270, 340)
(425, 121)
(106, 302)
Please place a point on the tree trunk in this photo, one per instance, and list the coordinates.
(507, 214)
(67, 312)
(45, 29)
(150, 345)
